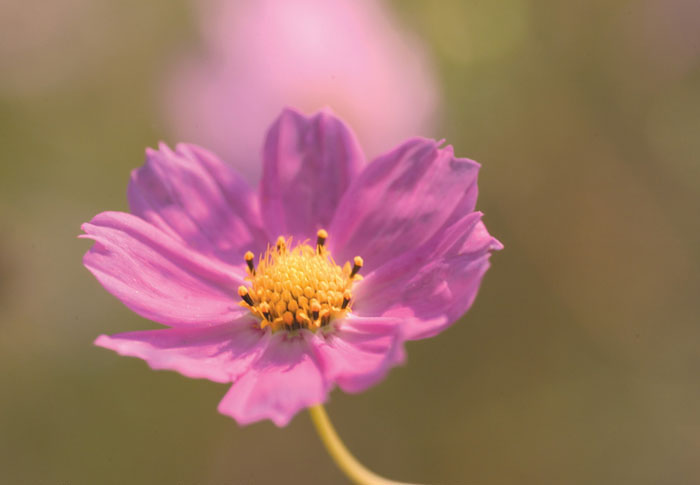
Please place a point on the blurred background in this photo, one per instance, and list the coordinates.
(579, 361)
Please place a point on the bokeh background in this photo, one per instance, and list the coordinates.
(580, 360)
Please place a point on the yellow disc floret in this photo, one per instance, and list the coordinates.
(299, 287)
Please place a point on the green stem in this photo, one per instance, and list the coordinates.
(354, 470)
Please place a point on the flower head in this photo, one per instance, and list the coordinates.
(315, 281)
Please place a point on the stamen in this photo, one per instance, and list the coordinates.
(325, 317)
(243, 293)
(315, 308)
(249, 257)
(265, 310)
(321, 237)
(303, 319)
(281, 245)
(357, 265)
(346, 299)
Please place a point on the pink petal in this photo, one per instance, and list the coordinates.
(192, 195)
(360, 352)
(284, 380)
(433, 285)
(220, 353)
(400, 200)
(308, 163)
(157, 276)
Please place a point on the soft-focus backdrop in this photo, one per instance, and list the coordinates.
(579, 362)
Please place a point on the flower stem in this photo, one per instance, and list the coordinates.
(352, 468)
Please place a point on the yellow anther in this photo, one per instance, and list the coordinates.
(357, 265)
(281, 245)
(249, 257)
(346, 299)
(315, 309)
(288, 318)
(303, 319)
(265, 310)
(243, 293)
(325, 316)
(321, 237)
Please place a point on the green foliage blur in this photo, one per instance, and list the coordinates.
(579, 362)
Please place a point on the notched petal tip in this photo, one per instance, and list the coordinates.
(85, 227)
(101, 341)
(161, 149)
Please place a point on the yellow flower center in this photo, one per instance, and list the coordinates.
(300, 287)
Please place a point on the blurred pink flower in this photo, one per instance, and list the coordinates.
(284, 331)
(260, 56)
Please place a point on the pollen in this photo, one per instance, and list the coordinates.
(298, 286)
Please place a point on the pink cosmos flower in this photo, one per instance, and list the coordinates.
(287, 325)
(261, 55)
